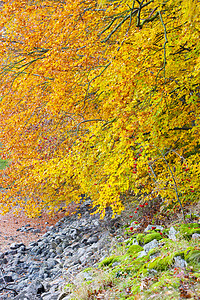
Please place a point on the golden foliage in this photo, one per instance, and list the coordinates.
(101, 99)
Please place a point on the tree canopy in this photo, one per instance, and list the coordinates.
(101, 99)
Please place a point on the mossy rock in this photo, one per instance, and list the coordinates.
(188, 234)
(109, 261)
(135, 289)
(152, 236)
(192, 255)
(134, 249)
(187, 230)
(138, 264)
(140, 238)
(180, 253)
(193, 259)
(130, 240)
(88, 269)
(161, 263)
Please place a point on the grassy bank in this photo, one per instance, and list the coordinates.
(170, 270)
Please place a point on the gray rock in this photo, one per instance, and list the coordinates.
(58, 240)
(51, 263)
(65, 249)
(14, 246)
(32, 244)
(65, 244)
(50, 296)
(34, 269)
(6, 278)
(67, 297)
(25, 296)
(179, 262)
(153, 244)
(196, 236)
(3, 261)
(92, 240)
(172, 233)
(75, 246)
(53, 245)
(59, 250)
(141, 254)
(149, 227)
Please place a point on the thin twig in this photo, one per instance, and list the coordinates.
(89, 83)
(93, 120)
(175, 185)
(164, 46)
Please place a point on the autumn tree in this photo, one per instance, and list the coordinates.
(101, 99)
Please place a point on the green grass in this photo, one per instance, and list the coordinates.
(3, 163)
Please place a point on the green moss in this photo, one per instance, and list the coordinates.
(180, 253)
(192, 255)
(130, 240)
(134, 249)
(152, 236)
(88, 269)
(187, 230)
(161, 263)
(108, 261)
(190, 232)
(140, 238)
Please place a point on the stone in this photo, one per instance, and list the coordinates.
(67, 297)
(141, 254)
(59, 250)
(149, 227)
(6, 279)
(196, 236)
(51, 263)
(32, 244)
(66, 248)
(172, 233)
(179, 262)
(53, 245)
(50, 296)
(153, 244)
(92, 240)
(16, 246)
(58, 240)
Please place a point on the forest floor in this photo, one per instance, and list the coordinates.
(11, 227)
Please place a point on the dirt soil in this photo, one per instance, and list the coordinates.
(10, 223)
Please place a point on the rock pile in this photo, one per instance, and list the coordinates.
(39, 270)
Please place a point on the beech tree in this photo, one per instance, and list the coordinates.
(100, 99)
